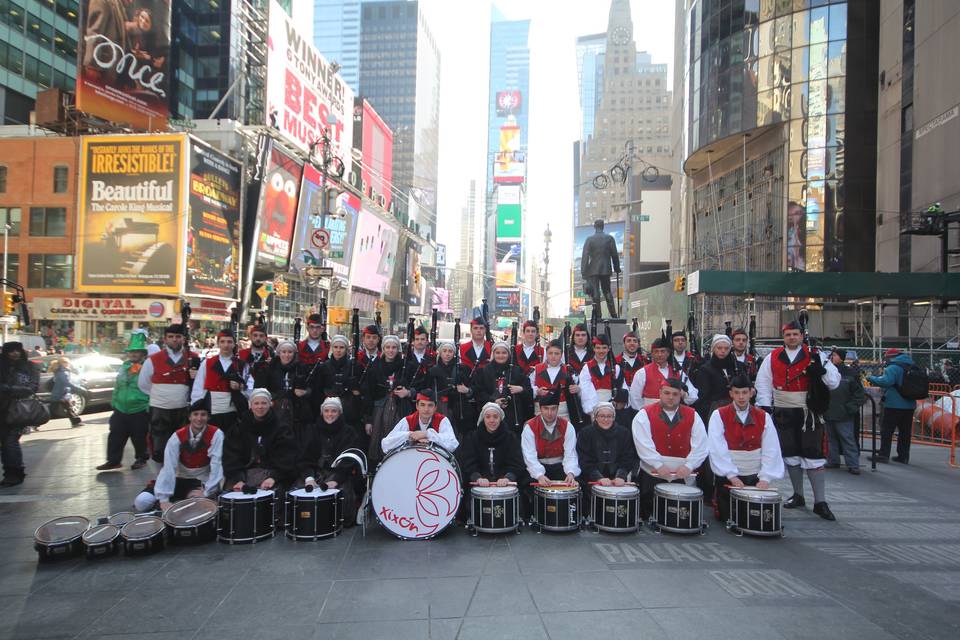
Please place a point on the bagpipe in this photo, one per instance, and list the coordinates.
(573, 402)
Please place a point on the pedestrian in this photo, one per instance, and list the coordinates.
(845, 403)
(63, 390)
(131, 409)
(897, 410)
(19, 378)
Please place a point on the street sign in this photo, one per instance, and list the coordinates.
(264, 292)
(639, 217)
(321, 239)
(324, 272)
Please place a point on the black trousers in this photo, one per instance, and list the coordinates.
(601, 284)
(723, 494)
(163, 422)
(901, 422)
(124, 426)
(647, 482)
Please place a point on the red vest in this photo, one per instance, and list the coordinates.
(246, 355)
(600, 380)
(542, 379)
(574, 360)
(166, 372)
(468, 356)
(629, 370)
(673, 442)
(310, 357)
(213, 379)
(742, 437)
(654, 380)
(789, 377)
(200, 457)
(548, 448)
(520, 357)
(413, 422)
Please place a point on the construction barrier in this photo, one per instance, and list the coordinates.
(936, 418)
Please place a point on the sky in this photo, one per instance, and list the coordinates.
(462, 30)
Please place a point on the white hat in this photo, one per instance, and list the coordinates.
(718, 338)
(332, 401)
(287, 343)
(391, 338)
(491, 406)
(144, 501)
(335, 339)
(260, 393)
(500, 344)
(446, 343)
(604, 405)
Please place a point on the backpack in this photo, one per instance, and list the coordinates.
(915, 384)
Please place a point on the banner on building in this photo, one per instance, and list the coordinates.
(279, 196)
(123, 62)
(509, 166)
(508, 103)
(374, 252)
(374, 139)
(509, 222)
(412, 274)
(103, 309)
(441, 255)
(305, 96)
(580, 235)
(323, 240)
(131, 220)
(213, 236)
(508, 301)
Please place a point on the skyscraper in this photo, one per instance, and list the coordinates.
(590, 55)
(336, 33)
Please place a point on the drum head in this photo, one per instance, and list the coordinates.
(316, 493)
(352, 456)
(122, 518)
(240, 495)
(494, 492)
(752, 494)
(142, 528)
(615, 492)
(101, 533)
(416, 492)
(677, 491)
(190, 512)
(558, 491)
(61, 529)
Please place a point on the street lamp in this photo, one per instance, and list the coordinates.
(6, 240)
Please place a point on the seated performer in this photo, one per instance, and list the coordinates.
(645, 388)
(263, 451)
(422, 426)
(192, 462)
(600, 381)
(549, 445)
(605, 449)
(744, 446)
(671, 441)
(503, 383)
(490, 454)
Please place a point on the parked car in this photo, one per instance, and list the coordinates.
(92, 376)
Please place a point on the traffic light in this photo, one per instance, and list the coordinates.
(631, 245)
(680, 284)
(10, 303)
(416, 278)
(281, 288)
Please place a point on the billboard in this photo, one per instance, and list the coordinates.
(311, 247)
(304, 95)
(131, 219)
(508, 103)
(375, 140)
(509, 222)
(508, 301)
(123, 62)
(509, 164)
(412, 274)
(277, 211)
(580, 235)
(213, 236)
(374, 252)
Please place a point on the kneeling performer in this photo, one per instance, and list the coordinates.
(422, 426)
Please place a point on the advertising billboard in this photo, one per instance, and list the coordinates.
(123, 62)
(412, 274)
(311, 246)
(374, 252)
(508, 301)
(279, 196)
(580, 235)
(509, 163)
(375, 140)
(213, 236)
(304, 95)
(508, 103)
(509, 225)
(131, 218)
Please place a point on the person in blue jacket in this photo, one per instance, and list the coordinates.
(897, 410)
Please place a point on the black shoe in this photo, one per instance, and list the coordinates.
(901, 460)
(832, 465)
(879, 458)
(139, 464)
(794, 502)
(11, 481)
(853, 470)
(106, 466)
(822, 510)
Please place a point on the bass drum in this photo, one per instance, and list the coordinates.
(416, 491)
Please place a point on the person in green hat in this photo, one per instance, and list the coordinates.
(131, 409)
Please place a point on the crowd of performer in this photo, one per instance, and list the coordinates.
(568, 412)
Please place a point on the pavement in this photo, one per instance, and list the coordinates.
(888, 568)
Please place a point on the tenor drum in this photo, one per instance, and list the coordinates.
(60, 537)
(192, 520)
(416, 491)
(757, 512)
(121, 518)
(495, 509)
(615, 509)
(314, 515)
(246, 518)
(678, 508)
(101, 540)
(556, 508)
(143, 535)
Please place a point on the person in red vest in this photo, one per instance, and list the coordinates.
(225, 378)
(549, 445)
(314, 348)
(580, 350)
(527, 354)
(477, 352)
(370, 339)
(599, 381)
(422, 426)
(741, 345)
(258, 355)
(645, 388)
(743, 444)
(682, 359)
(167, 377)
(192, 462)
(630, 361)
(671, 441)
(782, 383)
(555, 378)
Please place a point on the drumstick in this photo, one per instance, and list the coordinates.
(625, 484)
(493, 484)
(657, 475)
(559, 485)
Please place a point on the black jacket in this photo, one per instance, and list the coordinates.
(599, 252)
(377, 383)
(265, 444)
(443, 380)
(713, 384)
(490, 384)
(474, 454)
(320, 445)
(606, 453)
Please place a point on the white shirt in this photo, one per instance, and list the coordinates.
(210, 476)
(164, 396)
(444, 436)
(552, 373)
(589, 396)
(198, 391)
(650, 458)
(637, 400)
(764, 383)
(721, 461)
(528, 444)
(528, 351)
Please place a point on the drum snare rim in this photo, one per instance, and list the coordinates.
(50, 543)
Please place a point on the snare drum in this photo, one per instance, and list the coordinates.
(615, 509)
(101, 540)
(192, 520)
(313, 515)
(416, 491)
(60, 537)
(121, 518)
(556, 508)
(678, 508)
(246, 517)
(495, 509)
(757, 512)
(143, 535)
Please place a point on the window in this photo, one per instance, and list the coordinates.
(60, 179)
(3, 179)
(11, 216)
(48, 221)
(50, 271)
(13, 267)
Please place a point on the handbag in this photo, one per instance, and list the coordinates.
(26, 412)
